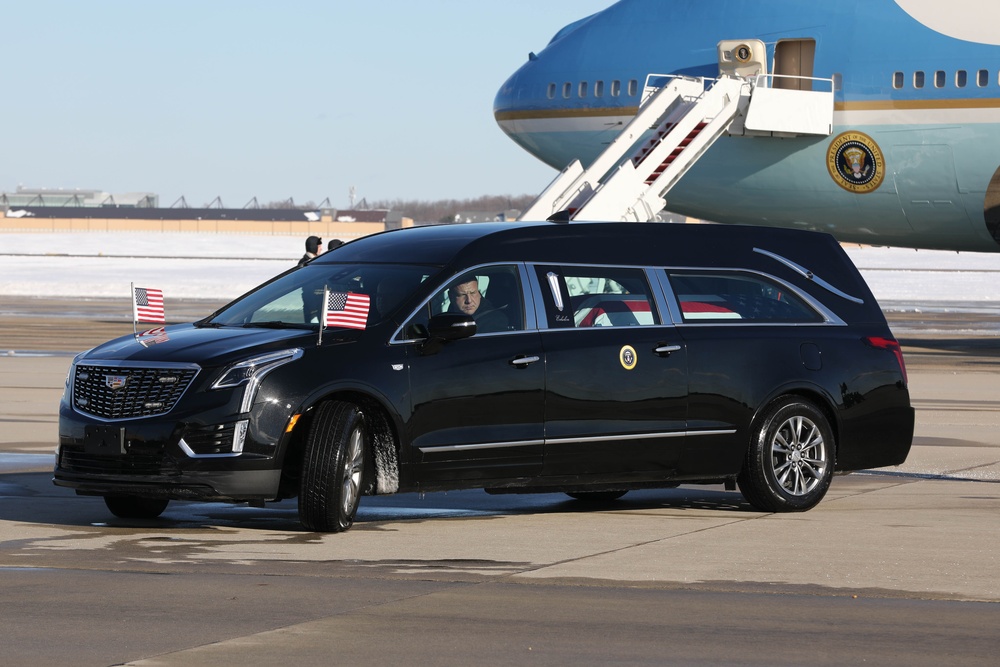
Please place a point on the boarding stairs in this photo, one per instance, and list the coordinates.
(675, 125)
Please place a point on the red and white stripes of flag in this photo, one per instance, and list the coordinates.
(147, 305)
(345, 309)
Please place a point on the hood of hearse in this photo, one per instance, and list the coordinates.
(206, 346)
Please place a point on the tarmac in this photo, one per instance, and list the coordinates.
(894, 566)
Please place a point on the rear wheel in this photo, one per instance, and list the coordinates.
(133, 507)
(333, 468)
(790, 460)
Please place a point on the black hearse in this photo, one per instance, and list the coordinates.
(584, 358)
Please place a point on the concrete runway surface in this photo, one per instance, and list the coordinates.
(895, 566)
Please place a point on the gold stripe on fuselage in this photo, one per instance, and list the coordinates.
(878, 105)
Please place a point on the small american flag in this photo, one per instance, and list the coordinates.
(348, 310)
(147, 305)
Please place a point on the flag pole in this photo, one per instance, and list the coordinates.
(322, 314)
(135, 330)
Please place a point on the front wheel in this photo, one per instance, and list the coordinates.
(790, 461)
(133, 507)
(333, 468)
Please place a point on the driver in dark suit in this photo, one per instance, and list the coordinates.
(466, 298)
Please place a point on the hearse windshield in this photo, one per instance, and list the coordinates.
(295, 300)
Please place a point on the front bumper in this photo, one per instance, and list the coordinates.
(184, 459)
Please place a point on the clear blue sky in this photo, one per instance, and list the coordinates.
(242, 99)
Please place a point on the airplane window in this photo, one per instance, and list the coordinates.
(961, 78)
(633, 87)
(982, 78)
(567, 89)
(939, 79)
(616, 88)
(918, 79)
(838, 81)
(897, 80)
(552, 91)
(598, 89)
(582, 90)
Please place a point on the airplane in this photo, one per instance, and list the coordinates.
(913, 91)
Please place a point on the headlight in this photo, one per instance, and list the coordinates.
(251, 371)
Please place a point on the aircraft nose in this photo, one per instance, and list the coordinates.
(505, 99)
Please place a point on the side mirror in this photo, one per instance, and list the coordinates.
(444, 328)
(451, 326)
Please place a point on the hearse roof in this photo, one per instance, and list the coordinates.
(793, 255)
(646, 244)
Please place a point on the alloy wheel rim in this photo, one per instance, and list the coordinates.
(798, 456)
(353, 461)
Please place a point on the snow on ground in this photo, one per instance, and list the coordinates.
(223, 266)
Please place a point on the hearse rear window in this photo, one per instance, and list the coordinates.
(737, 297)
(584, 296)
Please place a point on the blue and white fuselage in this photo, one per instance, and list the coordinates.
(918, 80)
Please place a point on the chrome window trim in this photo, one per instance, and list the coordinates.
(656, 295)
(808, 275)
(829, 318)
(530, 323)
(661, 293)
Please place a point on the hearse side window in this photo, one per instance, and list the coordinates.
(585, 296)
(497, 290)
(737, 298)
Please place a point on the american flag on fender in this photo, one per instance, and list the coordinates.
(346, 309)
(147, 305)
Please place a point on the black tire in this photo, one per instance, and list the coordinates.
(790, 461)
(333, 468)
(133, 507)
(596, 496)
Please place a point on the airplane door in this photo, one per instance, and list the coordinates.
(741, 57)
(928, 188)
(794, 58)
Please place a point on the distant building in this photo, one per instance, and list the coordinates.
(487, 216)
(43, 197)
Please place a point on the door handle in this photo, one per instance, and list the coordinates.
(523, 361)
(665, 350)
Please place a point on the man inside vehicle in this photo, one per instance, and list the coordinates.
(466, 298)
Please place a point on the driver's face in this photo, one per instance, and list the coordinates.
(467, 297)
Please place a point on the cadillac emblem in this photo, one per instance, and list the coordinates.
(855, 162)
(115, 381)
